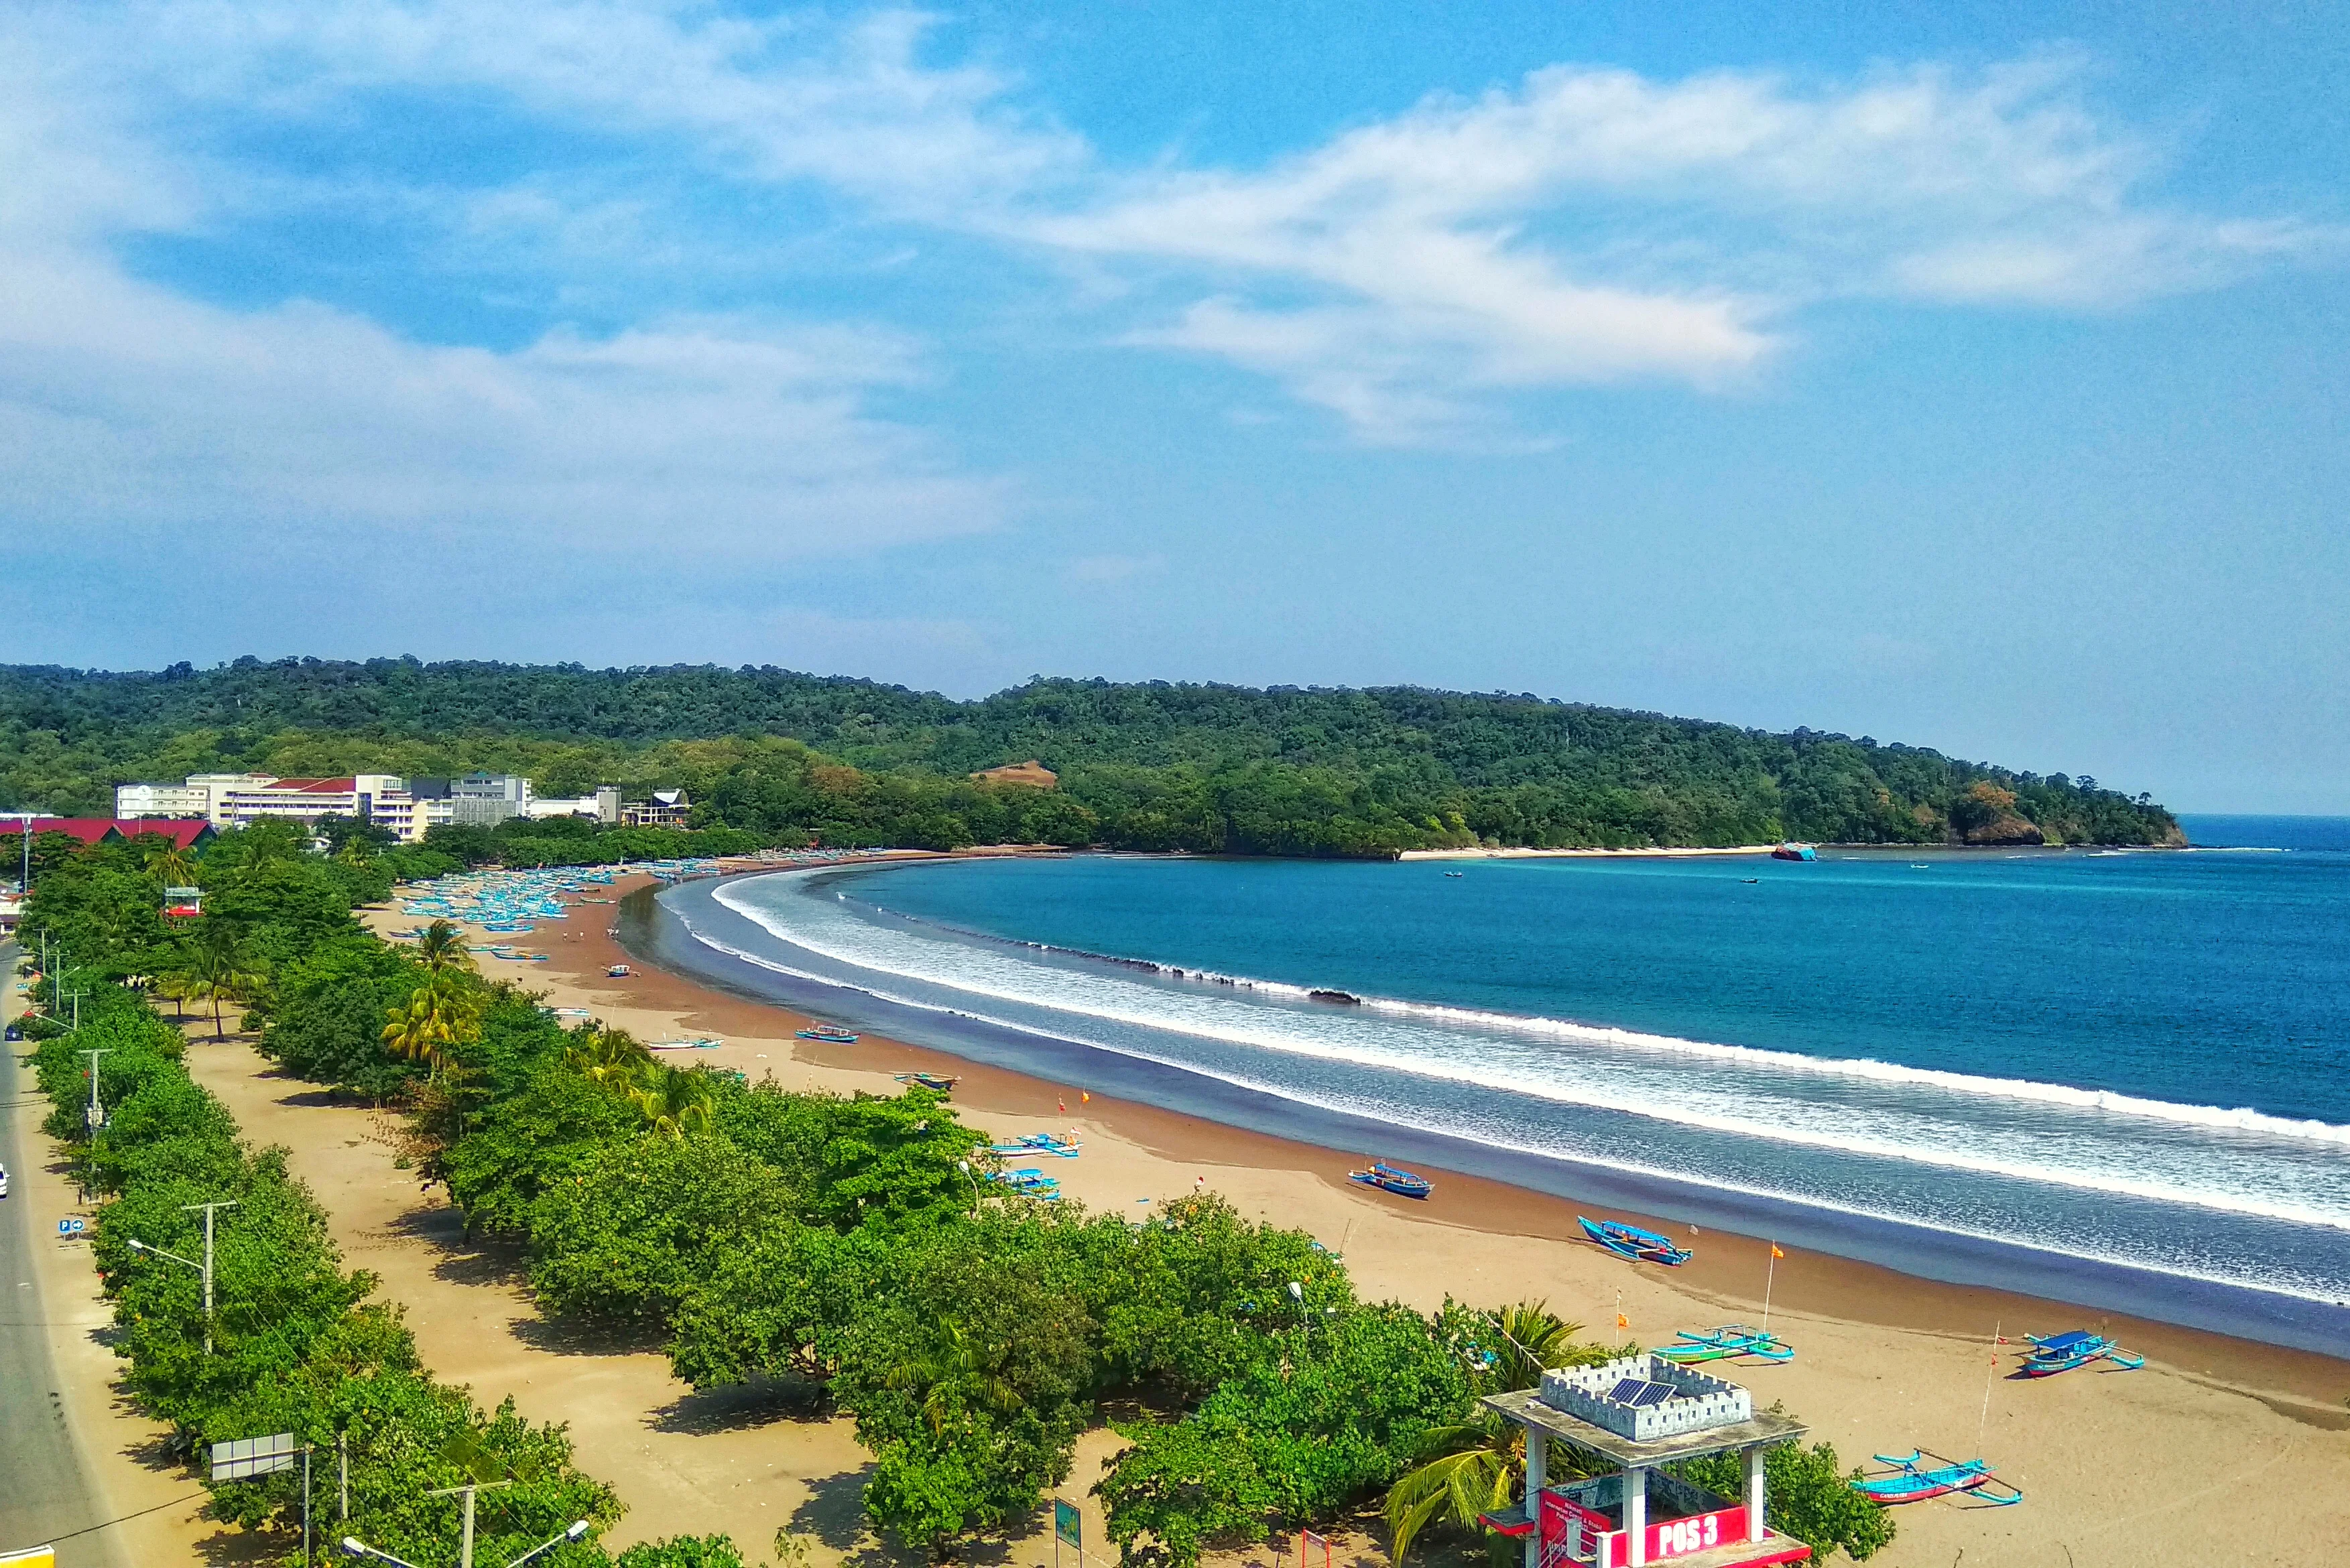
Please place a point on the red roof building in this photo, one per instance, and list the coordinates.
(184, 834)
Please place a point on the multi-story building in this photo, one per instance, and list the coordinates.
(668, 808)
(195, 798)
(375, 797)
(603, 806)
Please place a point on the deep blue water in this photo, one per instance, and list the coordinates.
(2140, 1059)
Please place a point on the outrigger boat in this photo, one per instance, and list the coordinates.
(1388, 1179)
(1732, 1340)
(938, 1081)
(830, 1034)
(1042, 1143)
(1631, 1241)
(617, 971)
(2064, 1352)
(1919, 1474)
(1030, 1181)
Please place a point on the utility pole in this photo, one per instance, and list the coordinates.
(95, 1117)
(204, 1268)
(465, 1544)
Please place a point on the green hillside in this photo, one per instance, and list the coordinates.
(1142, 766)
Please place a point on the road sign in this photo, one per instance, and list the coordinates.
(241, 1459)
(66, 1228)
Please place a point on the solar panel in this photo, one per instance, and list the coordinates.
(1639, 1393)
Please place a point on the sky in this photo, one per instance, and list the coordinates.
(1969, 376)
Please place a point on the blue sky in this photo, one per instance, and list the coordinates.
(1972, 375)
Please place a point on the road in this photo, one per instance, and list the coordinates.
(46, 1495)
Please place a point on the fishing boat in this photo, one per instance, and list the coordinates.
(1919, 1475)
(1795, 852)
(938, 1081)
(1732, 1341)
(1034, 1183)
(1388, 1179)
(2064, 1352)
(1631, 1241)
(830, 1034)
(617, 971)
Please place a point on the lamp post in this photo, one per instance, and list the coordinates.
(354, 1547)
(204, 1268)
(95, 1117)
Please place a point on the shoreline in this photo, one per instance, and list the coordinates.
(2122, 1468)
(1894, 1298)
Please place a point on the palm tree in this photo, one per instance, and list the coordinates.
(1478, 1467)
(439, 1015)
(442, 947)
(953, 1367)
(219, 967)
(675, 1100)
(168, 863)
(612, 1057)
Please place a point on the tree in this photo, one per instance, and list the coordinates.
(441, 948)
(1807, 1497)
(675, 1100)
(439, 1017)
(612, 1057)
(167, 862)
(1479, 1466)
(954, 1371)
(218, 966)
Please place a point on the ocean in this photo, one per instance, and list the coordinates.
(2117, 1078)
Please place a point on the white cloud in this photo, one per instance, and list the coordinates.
(1595, 226)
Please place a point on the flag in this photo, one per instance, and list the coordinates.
(1775, 1250)
(1623, 1322)
(1084, 1097)
(1063, 1105)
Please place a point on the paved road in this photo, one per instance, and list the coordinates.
(44, 1493)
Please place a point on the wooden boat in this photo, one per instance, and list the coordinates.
(1919, 1475)
(830, 1034)
(1388, 1179)
(1031, 1182)
(619, 972)
(1631, 1241)
(1731, 1340)
(940, 1081)
(1795, 852)
(2064, 1352)
(1041, 1143)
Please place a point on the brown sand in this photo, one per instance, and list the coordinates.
(2221, 1451)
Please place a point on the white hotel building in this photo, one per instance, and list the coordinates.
(408, 808)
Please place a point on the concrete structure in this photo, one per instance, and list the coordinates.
(199, 797)
(1604, 1522)
(668, 808)
(484, 800)
(603, 806)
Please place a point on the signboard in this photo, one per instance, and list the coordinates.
(66, 1228)
(1571, 1531)
(184, 901)
(1699, 1532)
(242, 1458)
(1068, 1526)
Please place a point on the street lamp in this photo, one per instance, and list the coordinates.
(204, 1268)
(354, 1547)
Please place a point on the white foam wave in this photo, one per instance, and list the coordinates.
(1406, 1117)
(1914, 1132)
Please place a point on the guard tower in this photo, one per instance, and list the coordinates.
(1641, 1412)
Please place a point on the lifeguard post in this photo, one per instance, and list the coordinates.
(1641, 1412)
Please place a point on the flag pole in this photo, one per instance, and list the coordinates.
(1770, 1274)
(1983, 1424)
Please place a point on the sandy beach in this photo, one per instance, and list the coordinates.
(2220, 1450)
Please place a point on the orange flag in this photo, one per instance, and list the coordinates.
(1775, 1250)
(1084, 1097)
(1623, 1322)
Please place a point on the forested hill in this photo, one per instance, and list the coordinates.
(1142, 766)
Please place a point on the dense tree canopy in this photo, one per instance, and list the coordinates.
(772, 755)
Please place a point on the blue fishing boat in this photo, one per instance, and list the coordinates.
(830, 1034)
(1631, 1241)
(1388, 1179)
(1795, 852)
(941, 1081)
(2064, 1352)
(1919, 1475)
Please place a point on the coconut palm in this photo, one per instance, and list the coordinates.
(612, 1057)
(168, 863)
(953, 1368)
(1478, 1467)
(440, 947)
(218, 967)
(439, 1015)
(675, 1100)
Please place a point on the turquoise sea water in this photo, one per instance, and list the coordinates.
(2141, 1060)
